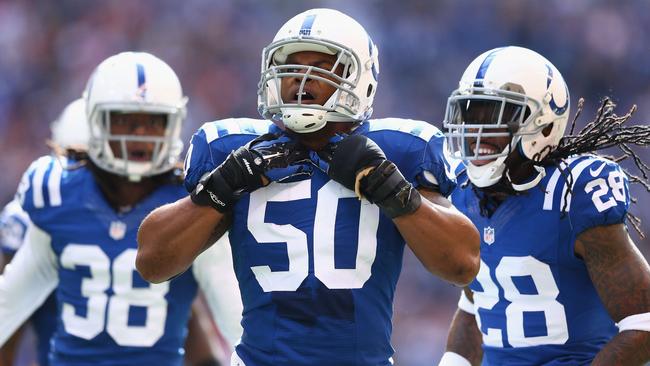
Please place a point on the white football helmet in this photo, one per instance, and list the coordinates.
(331, 32)
(521, 95)
(134, 82)
(70, 129)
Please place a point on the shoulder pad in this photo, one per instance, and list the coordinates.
(234, 126)
(420, 129)
(40, 185)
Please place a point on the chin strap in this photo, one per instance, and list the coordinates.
(541, 173)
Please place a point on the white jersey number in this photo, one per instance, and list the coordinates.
(296, 240)
(94, 288)
(544, 301)
(615, 184)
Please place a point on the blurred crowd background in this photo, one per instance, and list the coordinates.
(49, 48)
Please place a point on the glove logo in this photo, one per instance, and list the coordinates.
(216, 199)
(248, 166)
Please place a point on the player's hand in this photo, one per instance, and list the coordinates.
(359, 164)
(285, 158)
(246, 169)
(345, 158)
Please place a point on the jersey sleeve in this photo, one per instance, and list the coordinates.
(437, 168)
(213, 142)
(40, 187)
(600, 195)
(13, 224)
(26, 281)
(419, 150)
(214, 272)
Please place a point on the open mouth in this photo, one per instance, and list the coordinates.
(307, 97)
(139, 155)
(484, 149)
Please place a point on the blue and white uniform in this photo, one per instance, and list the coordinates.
(317, 268)
(81, 248)
(533, 299)
(13, 224)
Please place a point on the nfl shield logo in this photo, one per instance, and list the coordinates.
(117, 230)
(488, 235)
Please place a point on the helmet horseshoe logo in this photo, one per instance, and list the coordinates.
(553, 104)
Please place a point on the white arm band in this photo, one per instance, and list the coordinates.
(464, 304)
(453, 359)
(635, 322)
(214, 272)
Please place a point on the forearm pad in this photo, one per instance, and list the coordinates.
(386, 187)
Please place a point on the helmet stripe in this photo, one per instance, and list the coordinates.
(483, 68)
(141, 77)
(305, 28)
(142, 87)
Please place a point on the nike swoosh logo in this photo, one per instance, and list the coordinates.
(595, 173)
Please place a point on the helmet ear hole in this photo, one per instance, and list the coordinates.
(370, 90)
(547, 130)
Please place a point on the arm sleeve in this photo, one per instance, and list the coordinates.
(27, 281)
(214, 272)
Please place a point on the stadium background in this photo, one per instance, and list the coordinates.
(49, 48)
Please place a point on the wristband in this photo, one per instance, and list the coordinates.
(464, 304)
(453, 359)
(635, 322)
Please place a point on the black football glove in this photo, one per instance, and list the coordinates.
(359, 164)
(244, 170)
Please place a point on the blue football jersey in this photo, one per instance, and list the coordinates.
(13, 223)
(534, 301)
(107, 314)
(317, 267)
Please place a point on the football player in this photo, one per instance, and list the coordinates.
(85, 215)
(558, 268)
(322, 201)
(69, 135)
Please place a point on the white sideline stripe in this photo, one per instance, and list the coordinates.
(37, 182)
(54, 183)
(188, 158)
(550, 188)
(576, 174)
(552, 183)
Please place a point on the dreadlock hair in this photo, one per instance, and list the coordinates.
(605, 131)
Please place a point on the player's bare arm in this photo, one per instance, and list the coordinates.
(622, 278)
(443, 239)
(464, 338)
(172, 236)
